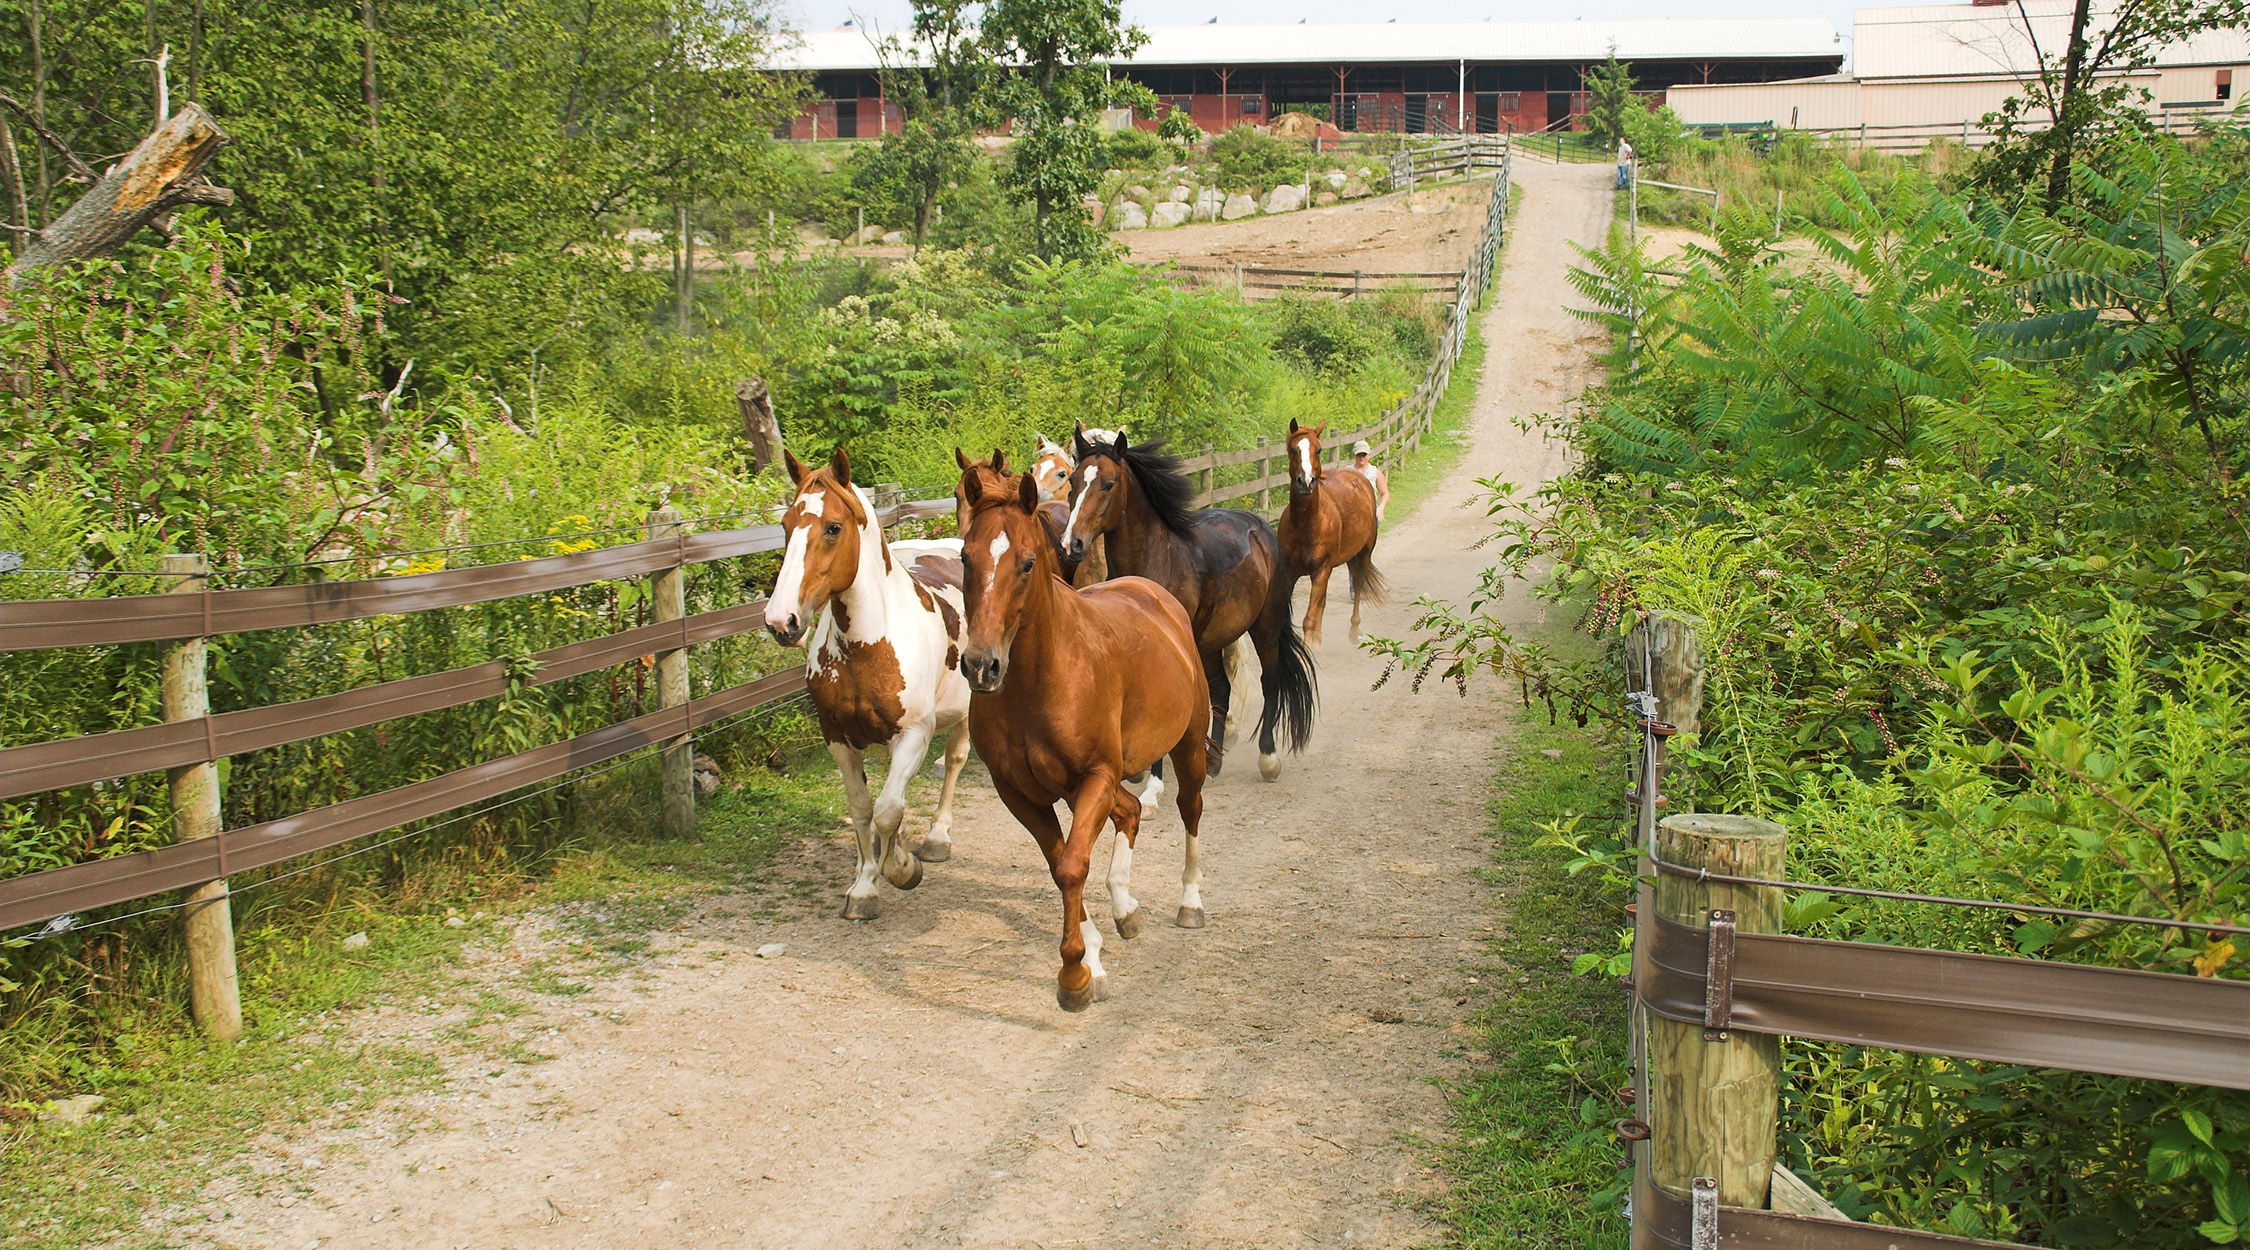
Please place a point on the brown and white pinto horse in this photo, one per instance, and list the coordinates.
(1224, 565)
(1076, 690)
(1330, 520)
(880, 664)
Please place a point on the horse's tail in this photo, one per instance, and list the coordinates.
(1368, 585)
(1292, 694)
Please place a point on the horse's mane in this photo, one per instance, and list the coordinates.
(1167, 489)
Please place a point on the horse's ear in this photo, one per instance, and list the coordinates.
(1320, 429)
(1292, 425)
(1027, 493)
(842, 464)
(999, 461)
(961, 458)
(795, 466)
(972, 483)
(1078, 441)
(1124, 443)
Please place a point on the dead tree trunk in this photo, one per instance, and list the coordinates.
(163, 173)
(758, 423)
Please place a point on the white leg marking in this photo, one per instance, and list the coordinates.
(907, 751)
(1121, 900)
(1191, 879)
(854, 766)
(1093, 938)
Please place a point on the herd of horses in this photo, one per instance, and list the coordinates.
(1087, 626)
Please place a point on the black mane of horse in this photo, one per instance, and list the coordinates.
(1169, 491)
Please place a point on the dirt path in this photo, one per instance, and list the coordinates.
(1428, 230)
(910, 1082)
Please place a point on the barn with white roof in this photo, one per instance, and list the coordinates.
(1417, 77)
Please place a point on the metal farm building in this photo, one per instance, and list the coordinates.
(1413, 77)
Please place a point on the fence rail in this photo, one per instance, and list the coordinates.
(1702, 969)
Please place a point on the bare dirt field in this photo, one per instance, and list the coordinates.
(1428, 230)
(1265, 1082)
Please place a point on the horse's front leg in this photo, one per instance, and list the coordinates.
(937, 844)
(1081, 981)
(1316, 604)
(899, 867)
(861, 901)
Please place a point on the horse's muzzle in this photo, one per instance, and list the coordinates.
(984, 672)
(788, 631)
(1077, 549)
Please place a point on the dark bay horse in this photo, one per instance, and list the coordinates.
(1073, 691)
(1224, 565)
(1330, 520)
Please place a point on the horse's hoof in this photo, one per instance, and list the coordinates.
(913, 878)
(1189, 918)
(1129, 924)
(1214, 763)
(1076, 1000)
(857, 908)
(1269, 767)
(934, 852)
(1101, 988)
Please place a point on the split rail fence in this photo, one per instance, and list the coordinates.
(1716, 984)
(191, 740)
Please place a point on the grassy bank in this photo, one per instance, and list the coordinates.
(1533, 1158)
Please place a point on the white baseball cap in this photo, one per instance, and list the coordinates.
(1360, 448)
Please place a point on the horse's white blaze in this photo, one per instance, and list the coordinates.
(1093, 938)
(1070, 527)
(789, 590)
(1121, 900)
(1304, 460)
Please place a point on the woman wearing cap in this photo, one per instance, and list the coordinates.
(1382, 480)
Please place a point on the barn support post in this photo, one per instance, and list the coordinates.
(1714, 1093)
(214, 995)
(668, 602)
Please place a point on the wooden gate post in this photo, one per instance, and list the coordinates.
(1265, 493)
(668, 599)
(214, 997)
(1715, 1096)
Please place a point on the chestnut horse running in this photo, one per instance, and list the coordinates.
(1074, 691)
(885, 626)
(1330, 520)
(1224, 565)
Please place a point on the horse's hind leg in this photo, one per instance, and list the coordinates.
(1188, 759)
(1222, 699)
(937, 844)
(861, 902)
(1124, 909)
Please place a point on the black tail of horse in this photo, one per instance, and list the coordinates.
(1291, 692)
(1368, 585)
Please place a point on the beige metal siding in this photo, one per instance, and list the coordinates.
(1814, 104)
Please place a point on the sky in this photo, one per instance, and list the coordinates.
(898, 14)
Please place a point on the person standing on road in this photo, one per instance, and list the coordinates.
(1624, 164)
(1380, 479)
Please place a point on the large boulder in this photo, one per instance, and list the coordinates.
(1286, 198)
(1355, 188)
(1180, 194)
(1138, 192)
(1209, 202)
(894, 238)
(1238, 206)
(1093, 206)
(1169, 213)
(1131, 216)
(1336, 178)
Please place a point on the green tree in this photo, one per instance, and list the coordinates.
(1054, 101)
(1610, 86)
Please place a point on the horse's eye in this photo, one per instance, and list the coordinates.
(1028, 564)
(1108, 485)
(835, 528)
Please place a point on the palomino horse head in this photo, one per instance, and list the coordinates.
(822, 526)
(1305, 471)
(991, 473)
(1097, 489)
(1004, 553)
(1051, 469)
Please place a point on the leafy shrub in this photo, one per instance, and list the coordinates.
(1134, 148)
(1249, 161)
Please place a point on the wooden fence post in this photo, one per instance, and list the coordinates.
(214, 997)
(668, 599)
(1714, 1096)
(1265, 494)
